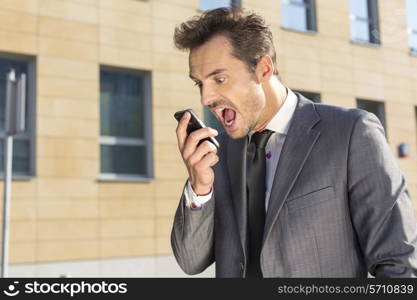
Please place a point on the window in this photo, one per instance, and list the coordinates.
(299, 15)
(375, 107)
(211, 121)
(412, 25)
(23, 143)
(315, 97)
(364, 24)
(212, 4)
(125, 125)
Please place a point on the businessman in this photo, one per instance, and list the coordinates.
(296, 189)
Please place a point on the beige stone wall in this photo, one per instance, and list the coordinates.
(65, 212)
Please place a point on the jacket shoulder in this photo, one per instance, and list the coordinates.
(326, 111)
(331, 113)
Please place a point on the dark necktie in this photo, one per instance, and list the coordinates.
(256, 200)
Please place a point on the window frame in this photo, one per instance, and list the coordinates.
(147, 141)
(30, 133)
(373, 24)
(311, 16)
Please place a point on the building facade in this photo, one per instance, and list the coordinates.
(98, 173)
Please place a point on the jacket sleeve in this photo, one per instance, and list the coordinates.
(380, 205)
(192, 236)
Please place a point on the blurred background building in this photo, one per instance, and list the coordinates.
(97, 175)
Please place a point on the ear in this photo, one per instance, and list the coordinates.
(264, 69)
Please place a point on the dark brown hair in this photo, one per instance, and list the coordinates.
(248, 34)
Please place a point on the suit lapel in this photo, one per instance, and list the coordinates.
(297, 147)
(236, 162)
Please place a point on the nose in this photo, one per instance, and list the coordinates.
(208, 95)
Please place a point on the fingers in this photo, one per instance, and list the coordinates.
(194, 138)
(182, 130)
(208, 161)
(204, 149)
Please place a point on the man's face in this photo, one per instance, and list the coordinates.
(230, 91)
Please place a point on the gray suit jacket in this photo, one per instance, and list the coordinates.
(339, 205)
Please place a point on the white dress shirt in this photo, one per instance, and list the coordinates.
(279, 124)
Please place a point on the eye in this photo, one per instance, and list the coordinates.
(198, 83)
(220, 79)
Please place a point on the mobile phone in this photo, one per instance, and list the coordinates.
(194, 124)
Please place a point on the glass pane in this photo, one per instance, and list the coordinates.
(359, 8)
(123, 159)
(212, 4)
(359, 31)
(300, 2)
(413, 42)
(21, 152)
(121, 104)
(5, 65)
(412, 14)
(211, 121)
(294, 16)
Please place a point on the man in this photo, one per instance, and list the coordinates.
(296, 189)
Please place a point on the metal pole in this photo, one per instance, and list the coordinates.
(8, 152)
(8, 148)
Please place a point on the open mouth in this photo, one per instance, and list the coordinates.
(227, 116)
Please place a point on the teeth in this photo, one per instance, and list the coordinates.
(228, 123)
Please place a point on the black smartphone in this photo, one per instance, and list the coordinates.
(194, 124)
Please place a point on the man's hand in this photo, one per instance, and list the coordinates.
(198, 159)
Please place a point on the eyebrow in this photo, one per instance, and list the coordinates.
(217, 71)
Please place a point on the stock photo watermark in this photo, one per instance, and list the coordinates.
(72, 289)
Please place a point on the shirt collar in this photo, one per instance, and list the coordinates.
(281, 121)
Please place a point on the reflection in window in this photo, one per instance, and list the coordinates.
(364, 25)
(122, 105)
(123, 159)
(299, 15)
(412, 25)
(124, 124)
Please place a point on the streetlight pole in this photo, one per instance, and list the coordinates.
(15, 123)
